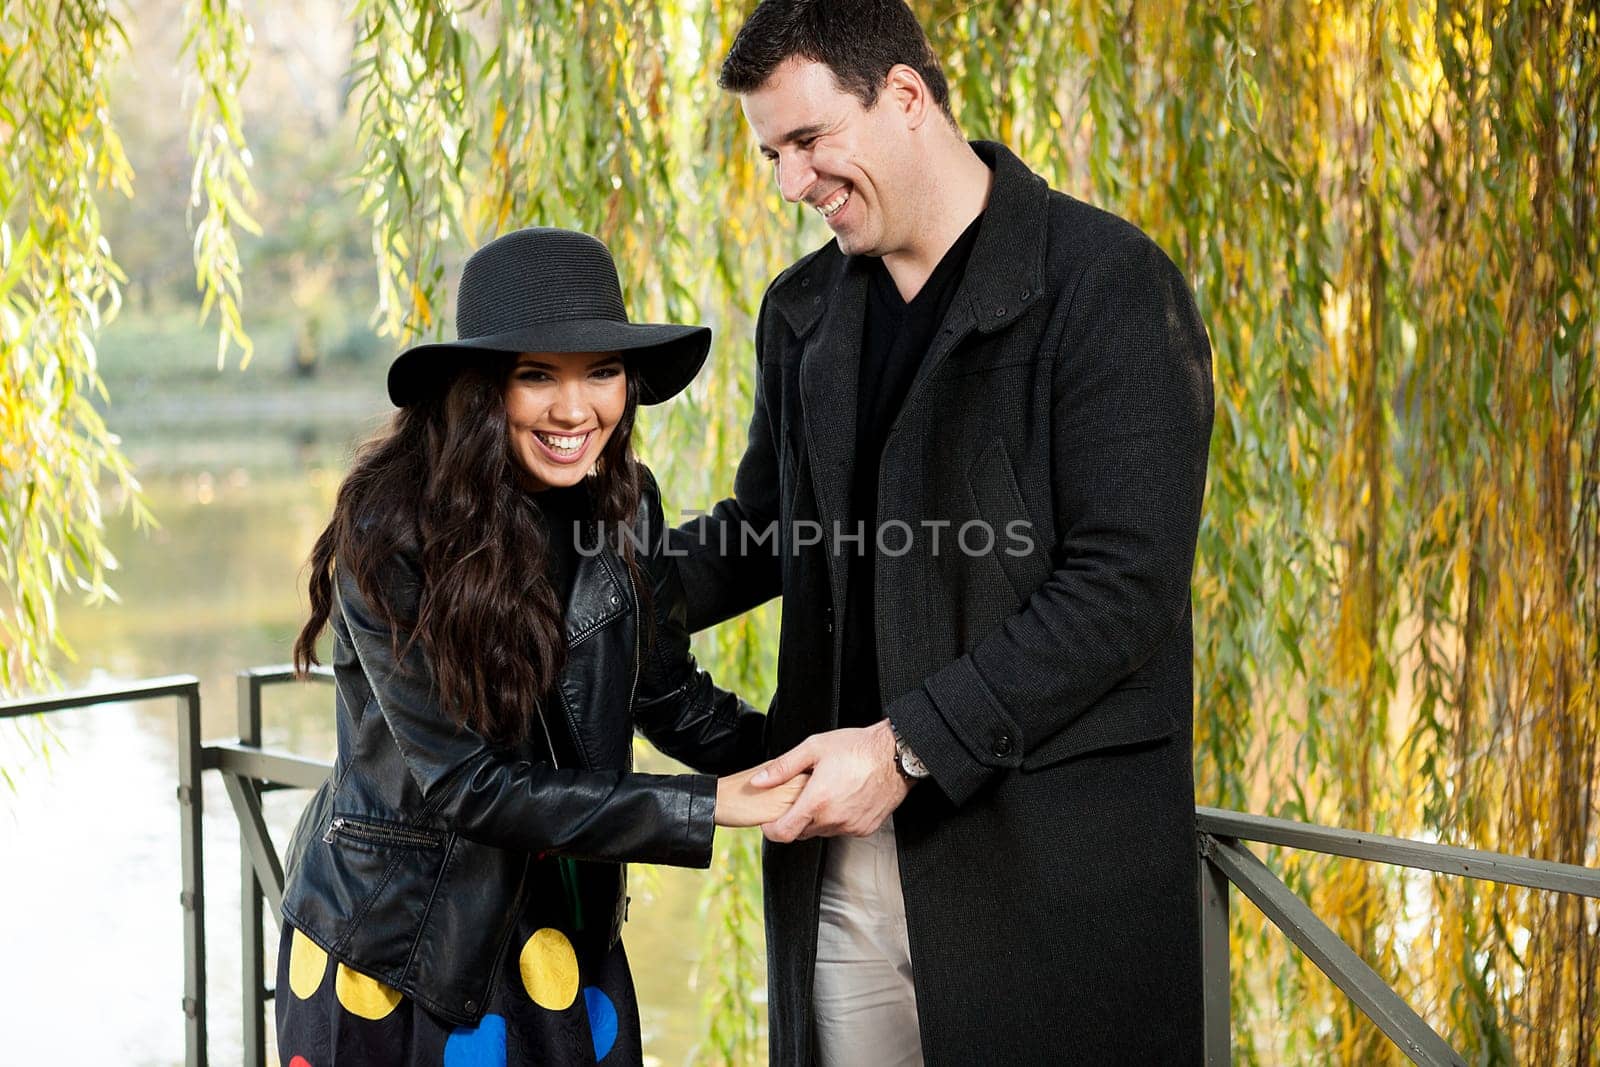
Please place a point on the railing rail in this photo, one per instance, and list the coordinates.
(1224, 860)
(248, 770)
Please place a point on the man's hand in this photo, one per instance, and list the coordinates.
(854, 785)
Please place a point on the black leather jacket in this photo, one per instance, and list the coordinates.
(412, 862)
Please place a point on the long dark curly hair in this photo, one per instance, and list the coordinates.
(440, 481)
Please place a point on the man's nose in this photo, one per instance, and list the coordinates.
(795, 177)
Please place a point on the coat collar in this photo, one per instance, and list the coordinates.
(1004, 276)
(823, 299)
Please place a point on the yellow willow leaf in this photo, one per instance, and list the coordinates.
(1440, 520)
(421, 308)
(1506, 595)
(1544, 269)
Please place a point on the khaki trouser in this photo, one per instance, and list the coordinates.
(864, 1003)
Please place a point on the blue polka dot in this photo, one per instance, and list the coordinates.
(483, 1045)
(602, 1020)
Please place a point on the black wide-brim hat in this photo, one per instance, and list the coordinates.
(549, 290)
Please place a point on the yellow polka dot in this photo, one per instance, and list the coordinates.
(550, 969)
(363, 996)
(307, 964)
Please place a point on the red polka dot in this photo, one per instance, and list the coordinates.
(299, 1061)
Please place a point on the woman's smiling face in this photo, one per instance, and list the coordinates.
(561, 409)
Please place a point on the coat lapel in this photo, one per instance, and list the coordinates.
(828, 372)
(1005, 273)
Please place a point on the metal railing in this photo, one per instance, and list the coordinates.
(249, 771)
(1225, 861)
(186, 689)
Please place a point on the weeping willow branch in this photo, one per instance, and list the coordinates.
(218, 38)
(58, 286)
(411, 69)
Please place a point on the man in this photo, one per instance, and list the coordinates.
(981, 424)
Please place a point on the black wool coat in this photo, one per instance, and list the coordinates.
(1049, 867)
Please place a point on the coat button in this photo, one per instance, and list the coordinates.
(615, 599)
(805, 283)
(470, 1006)
(827, 623)
(999, 313)
(1002, 745)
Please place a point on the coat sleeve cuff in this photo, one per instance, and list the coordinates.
(700, 823)
(955, 726)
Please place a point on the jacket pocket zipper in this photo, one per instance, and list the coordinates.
(373, 833)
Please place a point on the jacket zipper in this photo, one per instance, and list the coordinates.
(384, 835)
(638, 621)
(550, 743)
(572, 719)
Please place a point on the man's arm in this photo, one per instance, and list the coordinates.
(1131, 425)
(1131, 429)
(725, 569)
(679, 707)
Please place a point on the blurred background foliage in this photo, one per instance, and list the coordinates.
(1386, 211)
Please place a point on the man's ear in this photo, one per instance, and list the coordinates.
(907, 93)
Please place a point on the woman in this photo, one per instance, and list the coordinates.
(455, 891)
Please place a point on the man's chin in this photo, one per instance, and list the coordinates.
(852, 245)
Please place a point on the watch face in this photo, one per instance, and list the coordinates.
(910, 765)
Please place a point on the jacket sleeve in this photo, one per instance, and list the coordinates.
(679, 708)
(1131, 426)
(490, 794)
(728, 559)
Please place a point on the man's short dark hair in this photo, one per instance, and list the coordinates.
(858, 40)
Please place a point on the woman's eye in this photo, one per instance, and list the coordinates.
(607, 372)
(532, 376)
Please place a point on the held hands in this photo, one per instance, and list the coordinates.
(853, 784)
(740, 803)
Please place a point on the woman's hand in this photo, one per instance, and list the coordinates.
(741, 804)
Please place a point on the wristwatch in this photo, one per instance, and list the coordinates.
(906, 762)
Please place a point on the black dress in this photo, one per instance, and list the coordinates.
(562, 996)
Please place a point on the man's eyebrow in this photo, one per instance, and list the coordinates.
(799, 133)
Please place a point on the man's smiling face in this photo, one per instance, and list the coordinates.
(829, 151)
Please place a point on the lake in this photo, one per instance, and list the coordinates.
(92, 945)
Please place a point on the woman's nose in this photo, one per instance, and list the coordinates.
(568, 407)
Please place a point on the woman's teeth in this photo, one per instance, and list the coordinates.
(560, 443)
(831, 208)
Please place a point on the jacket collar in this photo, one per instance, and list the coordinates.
(600, 593)
(1003, 277)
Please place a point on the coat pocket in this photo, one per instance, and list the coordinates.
(1012, 538)
(1124, 718)
(368, 883)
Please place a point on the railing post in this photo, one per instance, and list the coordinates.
(1214, 957)
(251, 955)
(193, 861)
